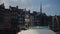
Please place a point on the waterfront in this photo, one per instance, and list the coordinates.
(26, 21)
(37, 30)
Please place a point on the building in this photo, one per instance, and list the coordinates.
(5, 20)
(27, 18)
(35, 18)
(8, 17)
(31, 19)
(55, 23)
(2, 12)
(21, 17)
(13, 11)
(38, 18)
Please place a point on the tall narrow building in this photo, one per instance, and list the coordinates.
(41, 7)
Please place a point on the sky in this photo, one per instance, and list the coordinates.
(50, 7)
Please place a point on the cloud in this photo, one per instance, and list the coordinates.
(24, 1)
(23, 4)
(16, 2)
(1, 1)
(5, 3)
(44, 7)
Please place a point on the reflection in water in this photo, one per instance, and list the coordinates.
(37, 31)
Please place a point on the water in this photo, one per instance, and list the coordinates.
(37, 30)
(39, 27)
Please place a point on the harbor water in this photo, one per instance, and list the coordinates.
(37, 30)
